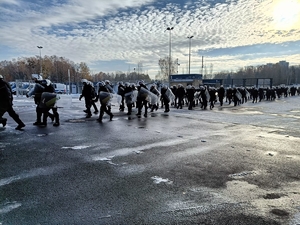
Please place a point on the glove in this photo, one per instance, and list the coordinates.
(80, 98)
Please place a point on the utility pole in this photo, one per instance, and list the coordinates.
(190, 40)
(170, 29)
(41, 70)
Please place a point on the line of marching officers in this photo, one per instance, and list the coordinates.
(44, 97)
(129, 95)
(148, 98)
(152, 97)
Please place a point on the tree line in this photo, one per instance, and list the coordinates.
(57, 69)
(280, 73)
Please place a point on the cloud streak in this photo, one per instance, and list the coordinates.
(230, 34)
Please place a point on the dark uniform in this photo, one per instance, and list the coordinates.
(165, 98)
(50, 89)
(180, 93)
(6, 104)
(128, 97)
(109, 87)
(254, 95)
(141, 100)
(121, 92)
(40, 87)
(229, 95)
(212, 97)
(190, 92)
(221, 95)
(94, 99)
(174, 90)
(154, 90)
(103, 102)
(87, 93)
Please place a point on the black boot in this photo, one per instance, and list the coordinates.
(56, 124)
(3, 121)
(51, 116)
(100, 116)
(20, 126)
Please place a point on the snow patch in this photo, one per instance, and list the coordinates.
(106, 159)
(77, 147)
(32, 173)
(158, 180)
(9, 206)
(242, 174)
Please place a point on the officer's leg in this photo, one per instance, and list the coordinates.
(139, 106)
(39, 113)
(56, 116)
(2, 120)
(88, 105)
(101, 113)
(11, 112)
(45, 116)
(145, 103)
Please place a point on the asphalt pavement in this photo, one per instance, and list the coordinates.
(228, 165)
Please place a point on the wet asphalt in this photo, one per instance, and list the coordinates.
(228, 165)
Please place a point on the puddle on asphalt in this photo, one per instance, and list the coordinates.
(272, 196)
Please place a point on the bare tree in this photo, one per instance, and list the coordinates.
(164, 67)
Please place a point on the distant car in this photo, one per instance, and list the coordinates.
(13, 87)
(60, 88)
(23, 87)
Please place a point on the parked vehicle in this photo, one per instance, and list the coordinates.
(60, 88)
(13, 87)
(22, 88)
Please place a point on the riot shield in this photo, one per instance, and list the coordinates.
(48, 100)
(105, 97)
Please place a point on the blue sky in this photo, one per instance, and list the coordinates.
(115, 35)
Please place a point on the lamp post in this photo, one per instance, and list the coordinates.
(178, 64)
(41, 70)
(170, 29)
(190, 40)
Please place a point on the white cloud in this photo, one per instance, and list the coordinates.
(132, 31)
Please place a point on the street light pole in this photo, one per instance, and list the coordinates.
(41, 70)
(170, 29)
(190, 40)
(177, 65)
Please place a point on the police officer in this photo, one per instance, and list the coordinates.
(221, 94)
(180, 93)
(212, 97)
(87, 93)
(39, 88)
(190, 92)
(165, 98)
(142, 99)
(49, 88)
(154, 90)
(104, 97)
(128, 97)
(121, 92)
(109, 87)
(6, 104)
